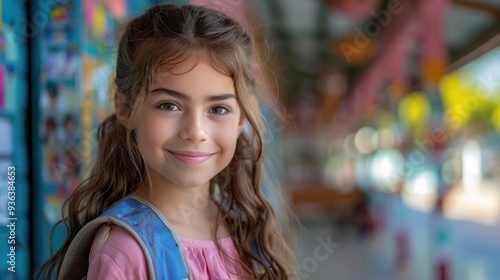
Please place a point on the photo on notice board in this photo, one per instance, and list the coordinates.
(6, 140)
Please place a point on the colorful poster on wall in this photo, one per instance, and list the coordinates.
(14, 165)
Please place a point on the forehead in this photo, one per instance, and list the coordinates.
(193, 76)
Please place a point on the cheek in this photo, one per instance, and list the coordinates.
(227, 139)
(152, 134)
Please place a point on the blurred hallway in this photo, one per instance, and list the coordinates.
(468, 251)
(383, 125)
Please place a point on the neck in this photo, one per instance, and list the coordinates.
(189, 209)
(169, 198)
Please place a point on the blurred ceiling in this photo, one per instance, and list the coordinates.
(303, 31)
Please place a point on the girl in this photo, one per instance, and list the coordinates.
(175, 191)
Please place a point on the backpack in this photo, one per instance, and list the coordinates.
(163, 251)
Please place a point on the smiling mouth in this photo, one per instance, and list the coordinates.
(189, 157)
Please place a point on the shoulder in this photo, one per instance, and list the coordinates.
(116, 254)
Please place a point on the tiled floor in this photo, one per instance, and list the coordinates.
(329, 252)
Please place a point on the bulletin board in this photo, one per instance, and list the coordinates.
(14, 167)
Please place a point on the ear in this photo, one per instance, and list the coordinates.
(121, 109)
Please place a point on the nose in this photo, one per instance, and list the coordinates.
(193, 128)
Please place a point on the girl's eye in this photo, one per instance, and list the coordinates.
(219, 110)
(167, 106)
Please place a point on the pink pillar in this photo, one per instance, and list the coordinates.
(432, 16)
(398, 36)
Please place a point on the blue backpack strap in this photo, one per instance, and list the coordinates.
(164, 256)
(159, 241)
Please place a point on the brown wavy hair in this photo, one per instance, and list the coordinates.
(163, 37)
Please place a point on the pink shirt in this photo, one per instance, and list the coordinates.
(115, 254)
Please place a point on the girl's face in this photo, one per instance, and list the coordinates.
(188, 125)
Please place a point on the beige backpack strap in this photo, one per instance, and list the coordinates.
(76, 261)
(101, 236)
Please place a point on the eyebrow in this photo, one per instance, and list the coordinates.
(183, 96)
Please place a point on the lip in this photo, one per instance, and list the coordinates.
(191, 157)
